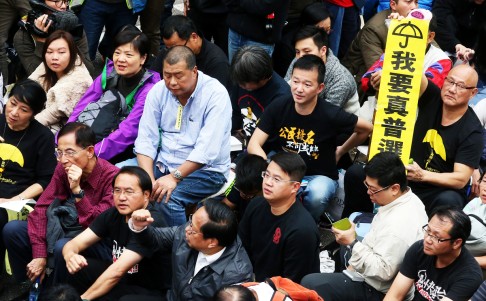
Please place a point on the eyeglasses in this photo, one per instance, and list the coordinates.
(433, 237)
(460, 87)
(69, 153)
(245, 196)
(267, 176)
(376, 191)
(191, 226)
(59, 3)
(128, 193)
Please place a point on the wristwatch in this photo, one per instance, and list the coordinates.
(177, 174)
(79, 195)
(351, 245)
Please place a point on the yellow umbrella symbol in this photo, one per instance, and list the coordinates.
(12, 153)
(409, 31)
(435, 141)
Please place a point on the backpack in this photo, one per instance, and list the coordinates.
(285, 287)
(105, 115)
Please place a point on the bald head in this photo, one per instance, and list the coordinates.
(459, 86)
(466, 73)
(177, 54)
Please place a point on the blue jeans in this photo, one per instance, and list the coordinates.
(317, 194)
(17, 242)
(345, 27)
(236, 41)
(193, 189)
(95, 15)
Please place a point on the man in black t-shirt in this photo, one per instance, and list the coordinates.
(439, 266)
(447, 139)
(309, 127)
(446, 147)
(277, 232)
(256, 87)
(134, 269)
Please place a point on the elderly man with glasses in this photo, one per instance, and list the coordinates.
(206, 251)
(80, 180)
(446, 147)
(439, 267)
(377, 258)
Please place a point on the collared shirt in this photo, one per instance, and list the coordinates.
(204, 260)
(197, 132)
(97, 198)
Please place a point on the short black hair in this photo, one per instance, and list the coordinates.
(222, 223)
(59, 292)
(144, 180)
(251, 64)
(481, 176)
(461, 224)
(315, 13)
(388, 169)
(311, 62)
(131, 34)
(249, 173)
(318, 35)
(31, 93)
(180, 53)
(233, 292)
(183, 25)
(83, 133)
(292, 164)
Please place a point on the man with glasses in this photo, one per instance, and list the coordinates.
(439, 267)
(446, 147)
(190, 114)
(447, 140)
(280, 236)
(80, 178)
(180, 30)
(134, 269)
(377, 258)
(206, 251)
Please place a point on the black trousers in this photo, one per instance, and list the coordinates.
(83, 279)
(338, 287)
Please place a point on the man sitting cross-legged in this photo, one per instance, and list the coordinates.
(134, 269)
(396, 226)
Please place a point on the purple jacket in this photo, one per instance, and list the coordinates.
(127, 132)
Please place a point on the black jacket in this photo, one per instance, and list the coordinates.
(458, 22)
(249, 18)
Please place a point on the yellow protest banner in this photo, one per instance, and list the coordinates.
(399, 88)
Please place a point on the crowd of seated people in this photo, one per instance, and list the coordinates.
(142, 205)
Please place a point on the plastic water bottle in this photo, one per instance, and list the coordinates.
(35, 290)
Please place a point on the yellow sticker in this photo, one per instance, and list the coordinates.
(401, 77)
(179, 117)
